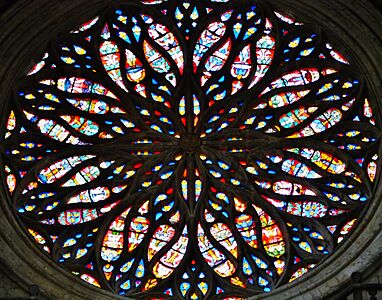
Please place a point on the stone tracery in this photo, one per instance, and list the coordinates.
(224, 139)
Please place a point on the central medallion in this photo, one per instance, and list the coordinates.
(190, 143)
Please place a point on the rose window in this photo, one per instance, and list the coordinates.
(190, 150)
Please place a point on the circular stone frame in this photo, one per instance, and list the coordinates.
(28, 26)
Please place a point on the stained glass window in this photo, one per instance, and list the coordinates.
(190, 150)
